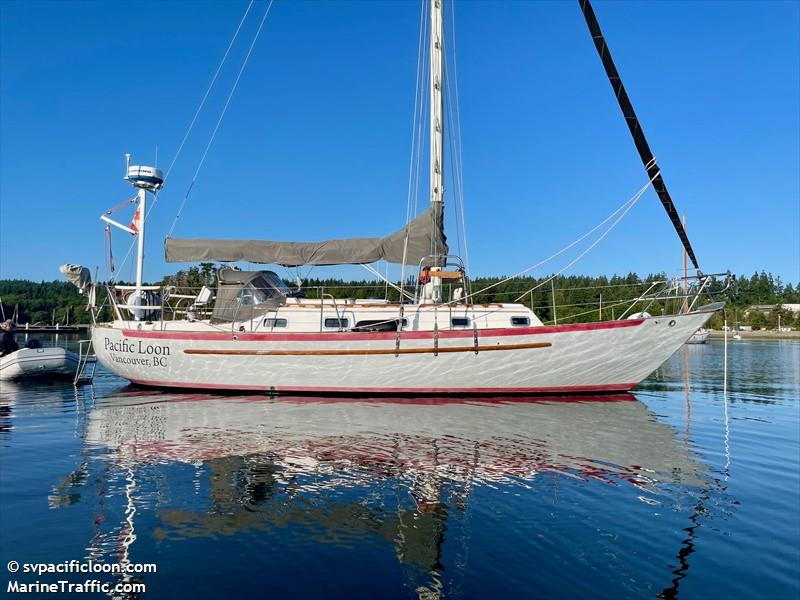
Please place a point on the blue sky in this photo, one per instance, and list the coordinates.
(316, 142)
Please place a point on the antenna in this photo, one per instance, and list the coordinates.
(145, 179)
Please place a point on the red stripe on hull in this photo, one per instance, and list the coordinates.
(352, 336)
(574, 389)
(437, 400)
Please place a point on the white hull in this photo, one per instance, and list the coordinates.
(38, 362)
(598, 357)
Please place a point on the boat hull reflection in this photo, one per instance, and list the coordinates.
(500, 439)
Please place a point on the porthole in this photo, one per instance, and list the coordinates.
(273, 322)
(336, 323)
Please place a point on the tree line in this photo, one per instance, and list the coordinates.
(577, 298)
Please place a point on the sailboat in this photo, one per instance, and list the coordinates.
(254, 333)
(736, 332)
(699, 337)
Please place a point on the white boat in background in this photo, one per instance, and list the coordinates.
(700, 336)
(43, 363)
(736, 332)
(256, 334)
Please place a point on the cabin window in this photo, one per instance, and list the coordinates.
(277, 283)
(379, 325)
(336, 323)
(272, 323)
(459, 321)
(520, 321)
(263, 290)
(246, 296)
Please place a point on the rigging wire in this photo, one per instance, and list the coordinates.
(417, 108)
(123, 204)
(592, 245)
(459, 159)
(455, 185)
(450, 134)
(203, 101)
(625, 207)
(416, 135)
(588, 287)
(423, 108)
(221, 116)
(621, 211)
(189, 128)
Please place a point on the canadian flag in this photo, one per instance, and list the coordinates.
(137, 219)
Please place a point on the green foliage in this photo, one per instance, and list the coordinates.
(779, 315)
(40, 302)
(191, 280)
(757, 319)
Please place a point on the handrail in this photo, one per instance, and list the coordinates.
(322, 311)
(665, 295)
(697, 295)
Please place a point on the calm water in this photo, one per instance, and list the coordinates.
(673, 492)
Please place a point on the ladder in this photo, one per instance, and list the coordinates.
(85, 358)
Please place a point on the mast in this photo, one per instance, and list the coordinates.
(685, 274)
(437, 122)
(139, 222)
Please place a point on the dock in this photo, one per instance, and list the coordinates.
(57, 328)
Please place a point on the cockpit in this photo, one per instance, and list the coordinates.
(244, 295)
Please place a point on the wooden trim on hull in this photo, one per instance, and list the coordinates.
(552, 390)
(376, 335)
(346, 352)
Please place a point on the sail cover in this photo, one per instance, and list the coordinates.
(77, 275)
(425, 238)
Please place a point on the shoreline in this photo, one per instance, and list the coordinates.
(758, 335)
